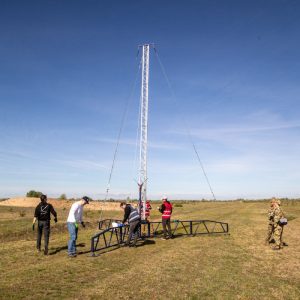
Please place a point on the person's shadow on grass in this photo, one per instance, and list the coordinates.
(59, 249)
(145, 243)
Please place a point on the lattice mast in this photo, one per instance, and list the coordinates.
(144, 128)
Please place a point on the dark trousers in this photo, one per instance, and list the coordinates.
(167, 223)
(133, 229)
(43, 226)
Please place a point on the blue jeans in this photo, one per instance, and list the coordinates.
(73, 231)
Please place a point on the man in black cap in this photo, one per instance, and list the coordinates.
(42, 214)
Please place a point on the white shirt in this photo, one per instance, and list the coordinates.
(75, 214)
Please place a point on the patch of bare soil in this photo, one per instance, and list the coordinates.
(33, 202)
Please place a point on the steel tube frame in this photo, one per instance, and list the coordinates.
(190, 228)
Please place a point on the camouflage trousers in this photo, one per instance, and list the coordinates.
(270, 232)
(278, 235)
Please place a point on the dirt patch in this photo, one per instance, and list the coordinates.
(33, 202)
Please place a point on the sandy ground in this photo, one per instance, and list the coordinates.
(33, 202)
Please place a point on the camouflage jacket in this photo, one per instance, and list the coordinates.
(278, 214)
(271, 215)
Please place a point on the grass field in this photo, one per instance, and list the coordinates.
(235, 266)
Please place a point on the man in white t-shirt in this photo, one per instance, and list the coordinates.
(75, 217)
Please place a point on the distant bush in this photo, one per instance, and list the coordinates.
(33, 193)
(178, 205)
(22, 213)
(63, 197)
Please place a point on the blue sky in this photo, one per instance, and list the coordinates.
(67, 71)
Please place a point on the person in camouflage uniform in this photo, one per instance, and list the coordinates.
(278, 228)
(270, 231)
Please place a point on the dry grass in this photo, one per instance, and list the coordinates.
(235, 266)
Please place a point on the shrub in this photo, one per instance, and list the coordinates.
(33, 193)
(22, 213)
(63, 197)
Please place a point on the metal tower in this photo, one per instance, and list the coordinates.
(144, 128)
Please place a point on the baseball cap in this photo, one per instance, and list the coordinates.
(164, 198)
(43, 197)
(86, 199)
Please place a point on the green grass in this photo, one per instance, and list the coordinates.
(235, 266)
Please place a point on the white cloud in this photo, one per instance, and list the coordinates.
(243, 125)
(83, 164)
(130, 142)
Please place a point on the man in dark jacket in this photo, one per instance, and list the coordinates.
(132, 215)
(42, 214)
